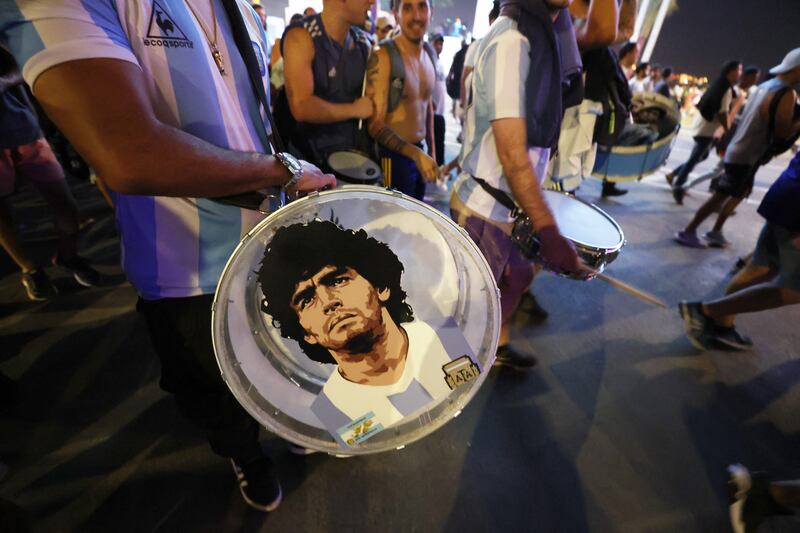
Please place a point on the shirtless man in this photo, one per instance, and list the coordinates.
(325, 59)
(400, 131)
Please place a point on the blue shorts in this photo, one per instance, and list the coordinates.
(401, 173)
(776, 251)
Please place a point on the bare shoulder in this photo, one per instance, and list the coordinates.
(298, 40)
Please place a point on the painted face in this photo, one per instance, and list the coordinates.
(337, 305)
(356, 11)
(413, 17)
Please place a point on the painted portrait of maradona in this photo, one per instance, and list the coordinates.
(338, 293)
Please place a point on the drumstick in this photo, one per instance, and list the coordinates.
(633, 291)
(364, 83)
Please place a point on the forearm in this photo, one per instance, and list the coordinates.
(524, 186)
(601, 25)
(315, 110)
(170, 162)
(627, 20)
(386, 137)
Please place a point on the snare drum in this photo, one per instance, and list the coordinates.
(352, 166)
(597, 237)
(301, 352)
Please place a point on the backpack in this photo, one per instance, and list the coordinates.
(606, 83)
(397, 75)
(453, 82)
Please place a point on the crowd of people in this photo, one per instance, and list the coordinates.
(337, 83)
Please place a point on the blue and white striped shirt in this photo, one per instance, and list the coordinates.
(171, 247)
(498, 91)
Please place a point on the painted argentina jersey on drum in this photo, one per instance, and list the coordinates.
(172, 247)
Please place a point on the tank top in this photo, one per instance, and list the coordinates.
(751, 139)
(338, 78)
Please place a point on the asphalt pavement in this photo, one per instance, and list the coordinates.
(623, 426)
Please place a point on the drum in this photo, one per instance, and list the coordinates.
(352, 166)
(355, 321)
(598, 239)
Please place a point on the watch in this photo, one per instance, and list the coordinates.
(294, 167)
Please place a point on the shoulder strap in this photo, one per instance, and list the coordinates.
(773, 112)
(501, 196)
(397, 74)
(431, 53)
(253, 200)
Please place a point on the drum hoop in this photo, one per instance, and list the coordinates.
(592, 247)
(276, 427)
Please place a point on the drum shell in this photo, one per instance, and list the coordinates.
(595, 258)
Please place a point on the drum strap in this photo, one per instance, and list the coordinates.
(501, 196)
(258, 201)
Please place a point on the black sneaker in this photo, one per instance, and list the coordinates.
(529, 305)
(38, 285)
(507, 356)
(732, 338)
(258, 484)
(610, 189)
(700, 329)
(80, 269)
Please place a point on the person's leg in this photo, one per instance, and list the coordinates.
(699, 153)
(511, 270)
(727, 209)
(9, 241)
(705, 211)
(180, 331)
(39, 165)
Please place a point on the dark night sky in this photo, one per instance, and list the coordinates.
(702, 34)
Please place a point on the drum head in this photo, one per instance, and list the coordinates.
(355, 321)
(584, 223)
(354, 165)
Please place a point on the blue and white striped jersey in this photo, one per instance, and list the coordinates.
(171, 247)
(498, 91)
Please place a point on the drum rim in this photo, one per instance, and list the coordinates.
(606, 249)
(434, 423)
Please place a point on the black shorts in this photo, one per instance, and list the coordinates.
(737, 181)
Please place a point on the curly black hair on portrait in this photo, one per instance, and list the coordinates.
(299, 251)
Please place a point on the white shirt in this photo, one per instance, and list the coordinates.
(705, 128)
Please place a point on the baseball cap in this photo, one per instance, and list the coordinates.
(789, 62)
(436, 37)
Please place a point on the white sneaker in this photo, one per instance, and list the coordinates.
(716, 239)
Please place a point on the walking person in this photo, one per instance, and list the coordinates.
(713, 110)
(506, 148)
(770, 280)
(764, 122)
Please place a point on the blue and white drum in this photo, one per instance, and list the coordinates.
(355, 321)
